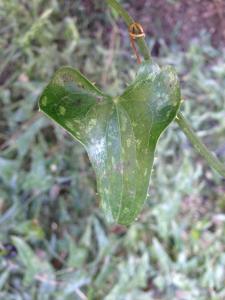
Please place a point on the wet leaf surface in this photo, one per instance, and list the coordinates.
(119, 133)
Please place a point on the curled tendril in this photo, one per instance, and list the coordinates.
(136, 31)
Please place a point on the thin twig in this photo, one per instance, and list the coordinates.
(110, 55)
(199, 146)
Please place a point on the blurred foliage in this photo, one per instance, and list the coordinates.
(61, 246)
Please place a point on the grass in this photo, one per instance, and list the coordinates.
(49, 209)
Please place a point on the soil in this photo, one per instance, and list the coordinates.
(182, 20)
(174, 21)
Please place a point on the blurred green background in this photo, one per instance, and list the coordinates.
(54, 241)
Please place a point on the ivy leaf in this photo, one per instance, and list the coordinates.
(119, 133)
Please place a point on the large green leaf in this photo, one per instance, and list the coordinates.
(119, 133)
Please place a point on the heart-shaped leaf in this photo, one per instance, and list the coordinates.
(119, 133)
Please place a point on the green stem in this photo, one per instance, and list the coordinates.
(199, 146)
(129, 20)
(182, 122)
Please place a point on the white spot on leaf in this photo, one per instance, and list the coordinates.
(44, 101)
(93, 122)
(146, 172)
(128, 142)
(62, 110)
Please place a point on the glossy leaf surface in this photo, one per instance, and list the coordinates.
(119, 133)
